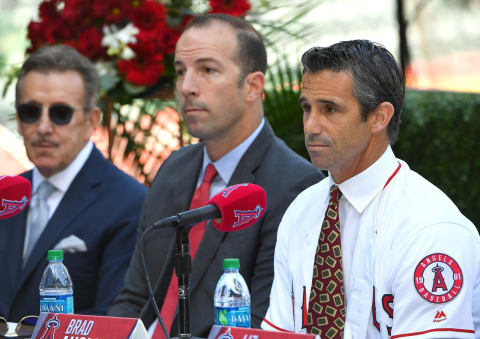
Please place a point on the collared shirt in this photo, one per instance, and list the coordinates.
(226, 165)
(62, 180)
(396, 228)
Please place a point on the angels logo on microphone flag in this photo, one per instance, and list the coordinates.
(15, 193)
(246, 216)
(240, 206)
(10, 207)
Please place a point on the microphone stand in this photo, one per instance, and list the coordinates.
(183, 268)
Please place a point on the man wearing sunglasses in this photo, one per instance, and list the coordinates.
(81, 203)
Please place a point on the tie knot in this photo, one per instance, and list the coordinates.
(45, 189)
(335, 194)
(210, 173)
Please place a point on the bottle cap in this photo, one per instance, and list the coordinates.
(55, 255)
(231, 263)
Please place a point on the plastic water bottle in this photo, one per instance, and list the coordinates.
(56, 288)
(232, 299)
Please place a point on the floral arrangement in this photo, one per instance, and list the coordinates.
(131, 41)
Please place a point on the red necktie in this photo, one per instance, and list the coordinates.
(200, 198)
(326, 308)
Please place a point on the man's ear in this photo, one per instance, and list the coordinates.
(378, 119)
(253, 86)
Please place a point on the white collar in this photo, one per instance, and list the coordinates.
(361, 189)
(226, 165)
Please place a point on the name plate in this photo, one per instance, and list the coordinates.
(78, 326)
(225, 332)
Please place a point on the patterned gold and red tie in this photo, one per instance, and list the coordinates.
(326, 307)
(199, 199)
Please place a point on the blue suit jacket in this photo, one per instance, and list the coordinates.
(101, 207)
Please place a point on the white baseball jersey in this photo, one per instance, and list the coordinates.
(412, 268)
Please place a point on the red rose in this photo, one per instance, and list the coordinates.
(168, 40)
(150, 16)
(48, 10)
(112, 11)
(142, 72)
(76, 11)
(36, 35)
(89, 43)
(58, 31)
(232, 7)
(146, 45)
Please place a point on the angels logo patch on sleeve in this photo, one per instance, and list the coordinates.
(438, 278)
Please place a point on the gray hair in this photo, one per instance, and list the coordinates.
(377, 77)
(62, 58)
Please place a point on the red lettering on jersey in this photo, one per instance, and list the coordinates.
(438, 281)
(304, 308)
(374, 312)
(387, 303)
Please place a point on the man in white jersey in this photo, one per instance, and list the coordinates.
(409, 264)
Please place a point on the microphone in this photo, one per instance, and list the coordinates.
(238, 206)
(15, 193)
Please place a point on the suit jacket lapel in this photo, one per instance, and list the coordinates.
(244, 173)
(78, 197)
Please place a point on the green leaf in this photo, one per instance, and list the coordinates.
(133, 89)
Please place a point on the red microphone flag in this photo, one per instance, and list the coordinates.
(240, 205)
(15, 193)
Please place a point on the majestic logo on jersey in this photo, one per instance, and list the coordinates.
(246, 216)
(50, 327)
(438, 278)
(227, 191)
(439, 316)
(12, 206)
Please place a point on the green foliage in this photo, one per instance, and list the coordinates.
(438, 135)
(281, 106)
(439, 139)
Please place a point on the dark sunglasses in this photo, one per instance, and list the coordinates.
(24, 327)
(60, 114)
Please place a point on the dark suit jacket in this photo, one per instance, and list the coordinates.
(268, 163)
(101, 207)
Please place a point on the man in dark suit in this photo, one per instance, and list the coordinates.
(220, 63)
(91, 209)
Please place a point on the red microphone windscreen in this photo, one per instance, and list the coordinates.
(15, 193)
(240, 205)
